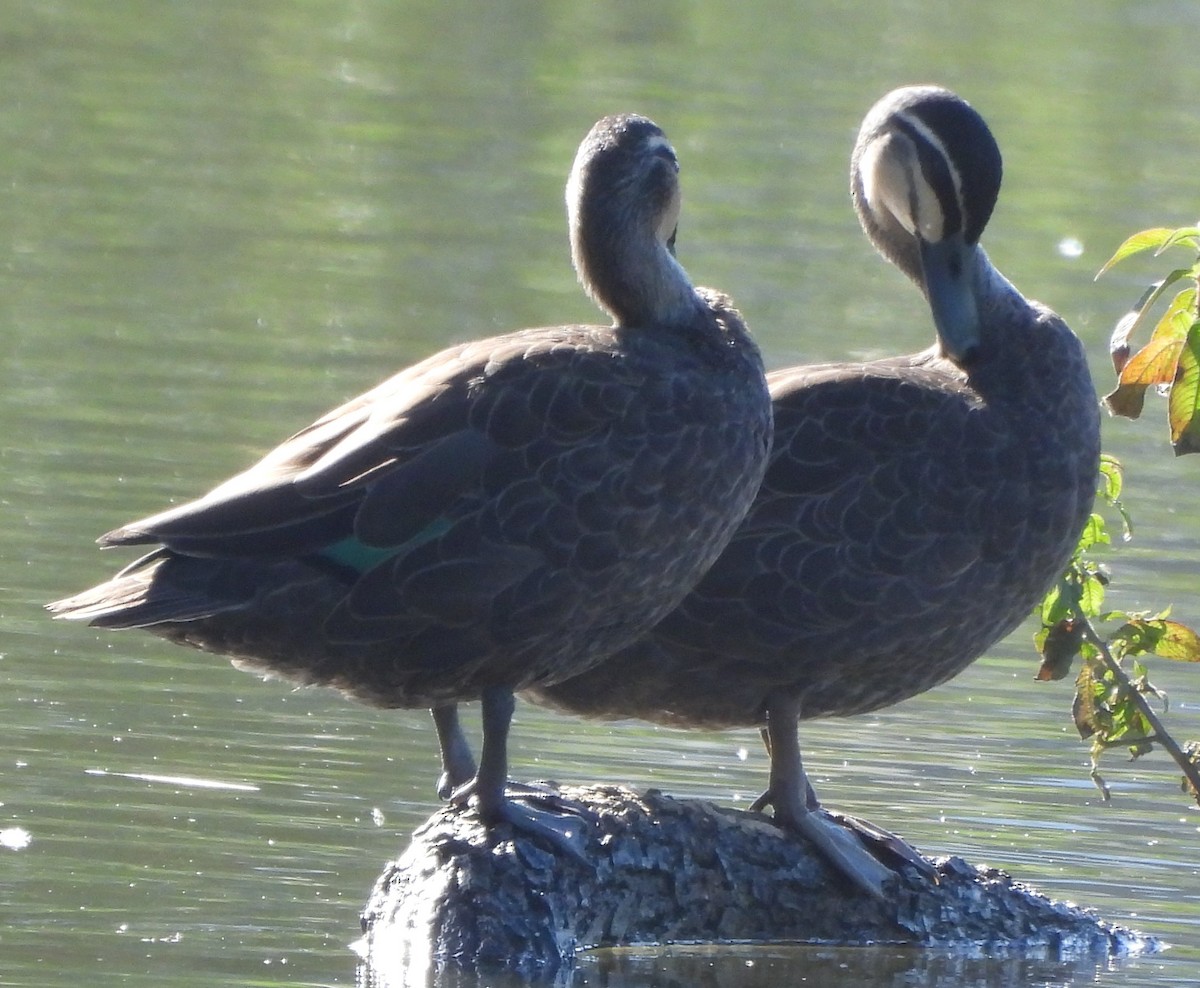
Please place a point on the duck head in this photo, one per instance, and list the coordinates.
(925, 176)
(623, 202)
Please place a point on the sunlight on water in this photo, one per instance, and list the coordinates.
(182, 781)
(15, 838)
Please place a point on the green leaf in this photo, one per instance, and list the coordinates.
(1152, 239)
(1112, 482)
(1188, 236)
(1129, 724)
(1138, 636)
(1184, 402)
(1158, 636)
(1112, 478)
(1095, 532)
(1091, 597)
(1059, 603)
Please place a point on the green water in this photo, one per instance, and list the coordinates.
(220, 219)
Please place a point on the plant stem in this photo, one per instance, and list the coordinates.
(1190, 769)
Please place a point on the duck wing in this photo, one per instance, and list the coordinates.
(868, 485)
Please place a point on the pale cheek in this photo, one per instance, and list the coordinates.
(930, 220)
(892, 183)
(886, 182)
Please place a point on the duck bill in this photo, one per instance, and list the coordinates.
(948, 270)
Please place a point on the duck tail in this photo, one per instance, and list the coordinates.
(133, 598)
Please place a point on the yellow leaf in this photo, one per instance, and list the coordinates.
(1153, 364)
(1178, 642)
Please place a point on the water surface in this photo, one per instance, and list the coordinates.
(220, 219)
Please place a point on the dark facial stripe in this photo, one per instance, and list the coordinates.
(938, 174)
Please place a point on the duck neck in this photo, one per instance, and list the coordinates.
(991, 287)
(1026, 356)
(635, 279)
(1001, 305)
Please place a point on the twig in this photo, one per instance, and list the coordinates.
(1190, 770)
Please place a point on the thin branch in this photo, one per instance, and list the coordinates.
(1190, 770)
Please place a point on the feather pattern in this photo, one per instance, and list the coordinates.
(505, 513)
(915, 508)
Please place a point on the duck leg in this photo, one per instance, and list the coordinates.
(488, 785)
(458, 764)
(797, 808)
(878, 840)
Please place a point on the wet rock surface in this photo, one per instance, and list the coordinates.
(645, 868)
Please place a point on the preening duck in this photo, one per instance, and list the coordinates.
(502, 515)
(915, 508)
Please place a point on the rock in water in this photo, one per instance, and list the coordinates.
(652, 869)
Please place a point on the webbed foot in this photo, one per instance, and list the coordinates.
(487, 790)
(883, 842)
(531, 809)
(841, 847)
(854, 847)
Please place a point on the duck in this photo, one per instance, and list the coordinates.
(501, 515)
(914, 510)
